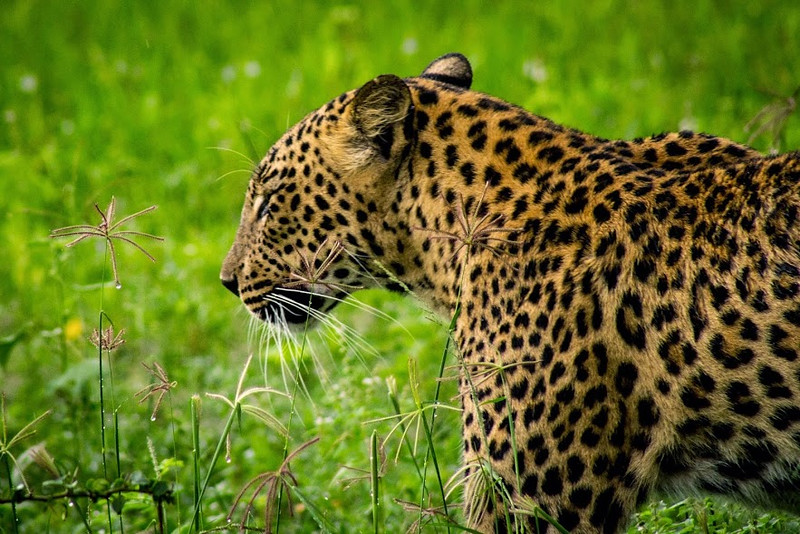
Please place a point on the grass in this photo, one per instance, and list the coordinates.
(170, 104)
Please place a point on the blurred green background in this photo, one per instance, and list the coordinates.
(171, 103)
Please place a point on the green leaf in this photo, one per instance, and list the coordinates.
(161, 490)
(54, 486)
(319, 517)
(137, 506)
(169, 465)
(117, 503)
(494, 400)
(97, 485)
(8, 343)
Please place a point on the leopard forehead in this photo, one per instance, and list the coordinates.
(637, 301)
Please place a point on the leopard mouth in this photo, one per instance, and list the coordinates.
(291, 305)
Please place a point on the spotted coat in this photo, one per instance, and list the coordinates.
(629, 311)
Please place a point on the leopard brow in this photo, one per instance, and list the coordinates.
(268, 193)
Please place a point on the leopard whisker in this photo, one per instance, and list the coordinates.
(354, 302)
(294, 360)
(351, 336)
(244, 156)
(363, 268)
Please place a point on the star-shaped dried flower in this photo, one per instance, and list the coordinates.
(108, 230)
(158, 389)
(106, 340)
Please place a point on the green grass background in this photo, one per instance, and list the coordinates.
(170, 103)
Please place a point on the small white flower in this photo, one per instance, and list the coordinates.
(294, 84)
(410, 46)
(688, 123)
(252, 69)
(28, 83)
(535, 70)
(67, 127)
(228, 73)
(10, 116)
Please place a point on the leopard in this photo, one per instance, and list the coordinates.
(626, 313)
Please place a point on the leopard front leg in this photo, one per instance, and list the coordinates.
(542, 445)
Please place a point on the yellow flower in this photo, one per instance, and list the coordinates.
(73, 329)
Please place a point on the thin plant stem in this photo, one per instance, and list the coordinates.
(76, 492)
(175, 455)
(403, 433)
(116, 453)
(160, 518)
(429, 430)
(116, 441)
(108, 230)
(432, 451)
(63, 338)
(100, 376)
(83, 516)
(291, 417)
(102, 403)
(479, 413)
(14, 517)
(217, 452)
(511, 428)
(375, 479)
(103, 416)
(116, 413)
(194, 408)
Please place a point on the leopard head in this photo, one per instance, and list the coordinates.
(320, 216)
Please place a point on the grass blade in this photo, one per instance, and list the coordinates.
(14, 518)
(194, 407)
(319, 517)
(375, 479)
(217, 452)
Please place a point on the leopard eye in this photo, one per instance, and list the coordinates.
(263, 208)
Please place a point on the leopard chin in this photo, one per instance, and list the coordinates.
(292, 306)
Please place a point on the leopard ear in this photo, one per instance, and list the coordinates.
(451, 68)
(379, 110)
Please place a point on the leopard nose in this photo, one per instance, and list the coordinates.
(231, 284)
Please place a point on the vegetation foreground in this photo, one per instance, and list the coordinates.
(209, 421)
